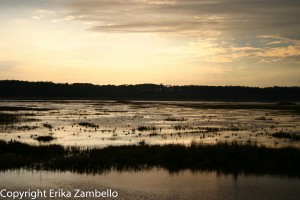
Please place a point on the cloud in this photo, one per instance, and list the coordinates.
(214, 28)
(278, 49)
(287, 53)
(218, 24)
(40, 14)
(30, 3)
(231, 17)
(8, 65)
(281, 52)
(271, 26)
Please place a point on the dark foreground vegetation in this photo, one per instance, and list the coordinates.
(48, 90)
(231, 158)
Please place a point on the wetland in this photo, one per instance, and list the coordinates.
(207, 149)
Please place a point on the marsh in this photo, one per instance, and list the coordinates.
(104, 123)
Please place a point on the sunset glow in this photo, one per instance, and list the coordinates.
(226, 42)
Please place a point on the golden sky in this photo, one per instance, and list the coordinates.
(175, 42)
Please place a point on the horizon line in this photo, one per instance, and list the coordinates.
(162, 84)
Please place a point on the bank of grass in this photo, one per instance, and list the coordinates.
(290, 107)
(22, 108)
(9, 118)
(46, 138)
(16, 155)
(290, 136)
(231, 158)
(88, 124)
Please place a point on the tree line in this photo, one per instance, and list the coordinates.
(13, 89)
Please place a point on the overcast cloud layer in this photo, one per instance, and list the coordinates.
(274, 22)
(242, 17)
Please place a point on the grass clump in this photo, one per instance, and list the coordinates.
(146, 128)
(212, 129)
(16, 155)
(88, 124)
(46, 125)
(21, 108)
(47, 138)
(173, 119)
(9, 118)
(290, 136)
(263, 118)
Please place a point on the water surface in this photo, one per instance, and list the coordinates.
(117, 123)
(159, 184)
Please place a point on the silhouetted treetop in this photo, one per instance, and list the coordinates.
(49, 90)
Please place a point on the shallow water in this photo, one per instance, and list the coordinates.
(157, 184)
(174, 122)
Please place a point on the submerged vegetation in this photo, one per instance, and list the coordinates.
(232, 158)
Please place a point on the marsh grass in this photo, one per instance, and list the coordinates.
(16, 155)
(47, 138)
(21, 108)
(173, 119)
(288, 106)
(234, 158)
(286, 103)
(46, 125)
(27, 128)
(291, 136)
(263, 118)
(88, 124)
(146, 128)
(9, 118)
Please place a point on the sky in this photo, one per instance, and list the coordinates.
(173, 42)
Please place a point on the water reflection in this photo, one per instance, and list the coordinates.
(159, 184)
(102, 123)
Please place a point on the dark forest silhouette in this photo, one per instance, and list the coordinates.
(12, 89)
